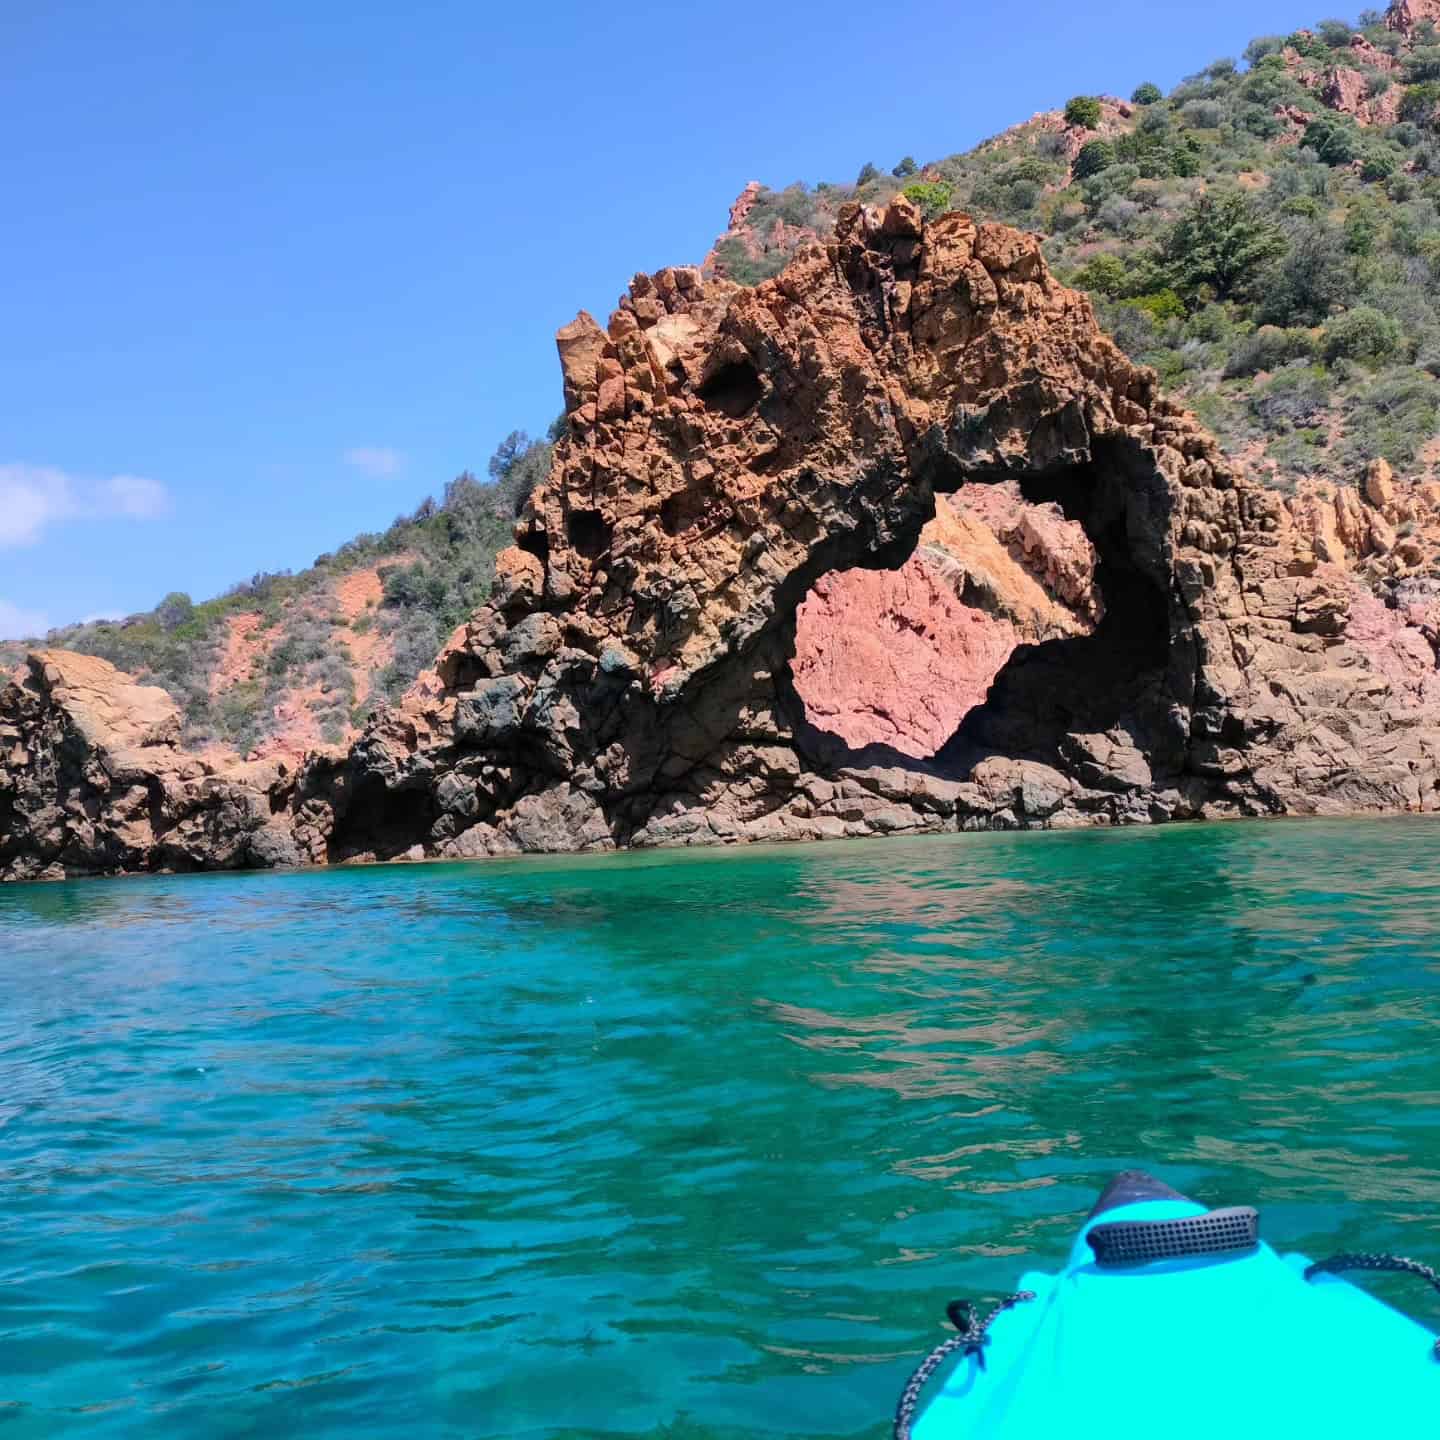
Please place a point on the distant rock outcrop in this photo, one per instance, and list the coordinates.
(93, 779)
(1405, 15)
(633, 680)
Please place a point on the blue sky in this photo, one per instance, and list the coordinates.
(272, 272)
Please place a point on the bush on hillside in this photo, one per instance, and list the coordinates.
(1422, 64)
(1269, 348)
(1204, 114)
(1297, 395)
(906, 168)
(1095, 156)
(1103, 274)
(1334, 33)
(932, 196)
(1309, 45)
(175, 610)
(1335, 139)
(1083, 112)
(1315, 274)
(1146, 94)
(1221, 244)
(1390, 419)
(1262, 46)
(1160, 306)
(1379, 164)
(1420, 102)
(1363, 333)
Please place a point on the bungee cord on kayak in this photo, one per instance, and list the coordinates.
(1392, 1264)
(973, 1335)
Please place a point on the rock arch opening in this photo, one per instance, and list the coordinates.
(1027, 619)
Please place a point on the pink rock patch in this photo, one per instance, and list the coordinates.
(1397, 646)
(892, 657)
(901, 657)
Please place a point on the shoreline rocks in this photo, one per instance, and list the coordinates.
(633, 680)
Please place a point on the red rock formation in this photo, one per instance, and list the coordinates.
(894, 657)
(631, 681)
(1405, 15)
(1348, 91)
(93, 778)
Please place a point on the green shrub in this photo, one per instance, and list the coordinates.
(175, 610)
(1363, 333)
(1390, 419)
(1269, 348)
(1315, 274)
(735, 261)
(905, 169)
(1296, 396)
(1203, 114)
(1379, 165)
(1334, 139)
(1184, 159)
(1420, 102)
(1263, 46)
(1422, 64)
(1146, 94)
(1103, 274)
(1334, 33)
(1220, 243)
(1095, 156)
(1083, 112)
(867, 173)
(1311, 46)
(932, 196)
(1160, 306)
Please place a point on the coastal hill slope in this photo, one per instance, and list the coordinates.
(725, 448)
(1265, 237)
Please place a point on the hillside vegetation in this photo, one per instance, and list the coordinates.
(283, 661)
(1267, 236)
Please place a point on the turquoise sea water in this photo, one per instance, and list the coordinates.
(685, 1146)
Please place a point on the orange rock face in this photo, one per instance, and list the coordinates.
(1405, 15)
(633, 680)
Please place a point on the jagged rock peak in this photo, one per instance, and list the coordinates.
(1405, 15)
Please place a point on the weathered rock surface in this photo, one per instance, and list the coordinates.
(895, 657)
(632, 680)
(1405, 15)
(92, 779)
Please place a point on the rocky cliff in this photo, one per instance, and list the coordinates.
(633, 680)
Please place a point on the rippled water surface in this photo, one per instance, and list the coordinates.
(690, 1146)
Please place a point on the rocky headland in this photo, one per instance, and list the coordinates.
(896, 541)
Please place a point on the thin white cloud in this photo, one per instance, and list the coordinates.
(135, 496)
(17, 623)
(32, 497)
(379, 461)
(35, 497)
